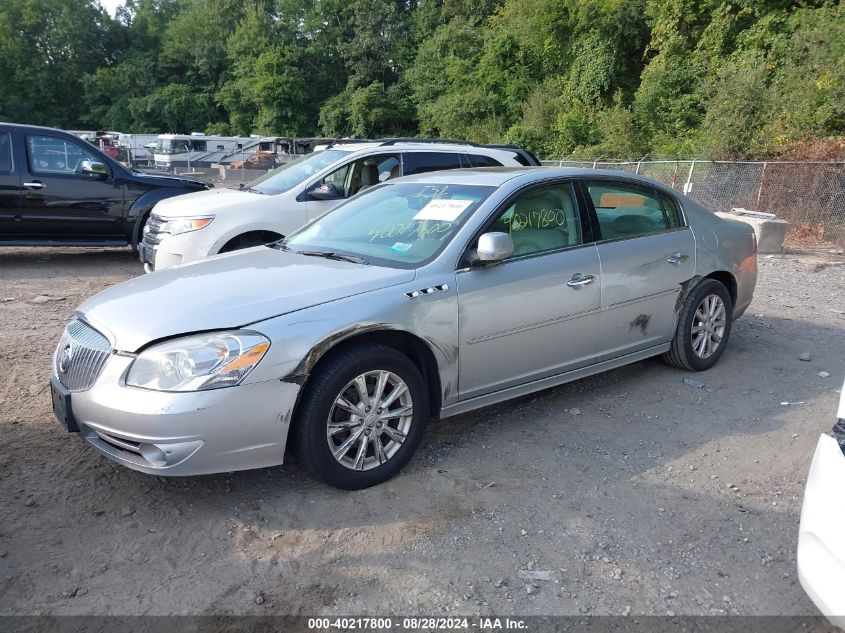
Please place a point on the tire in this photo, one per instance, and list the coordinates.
(136, 241)
(334, 378)
(703, 355)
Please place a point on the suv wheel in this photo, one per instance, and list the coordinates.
(361, 417)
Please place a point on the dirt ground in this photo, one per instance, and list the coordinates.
(639, 493)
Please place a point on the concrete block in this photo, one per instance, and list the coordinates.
(769, 229)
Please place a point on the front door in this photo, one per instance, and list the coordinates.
(646, 254)
(534, 314)
(351, 178)
(62, 203)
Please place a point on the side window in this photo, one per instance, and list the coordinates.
(477, 160)
(670, 208)
(48, 154)
(389, 168)
(627, 210)
(337, 179)
(421, 162)
(5, 153)
(363, 173)
(197, 146)
(542, 219)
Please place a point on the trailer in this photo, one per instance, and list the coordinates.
(136, 149)
(198, 150)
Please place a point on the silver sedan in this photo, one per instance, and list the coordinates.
(422, 298)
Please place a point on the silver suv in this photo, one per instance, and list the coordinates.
(275, 205)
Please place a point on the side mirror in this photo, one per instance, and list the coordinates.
(494, 247)
(324, 192)
(93, 168)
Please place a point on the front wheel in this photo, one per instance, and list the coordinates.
(361, 417)
(704, 326)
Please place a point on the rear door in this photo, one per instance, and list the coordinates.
(59, 201)
(646, 252)
(10, 187)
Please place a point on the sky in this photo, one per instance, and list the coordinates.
(111, 5)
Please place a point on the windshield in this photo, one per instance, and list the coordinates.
(169, 146)
(291, 174)
(402, 224)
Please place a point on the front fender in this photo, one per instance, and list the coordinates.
(145, 203)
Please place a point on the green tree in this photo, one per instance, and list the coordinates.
(173, 108)
(46, 48)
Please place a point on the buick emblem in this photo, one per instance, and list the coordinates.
(65, 357)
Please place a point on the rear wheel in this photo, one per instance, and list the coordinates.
(361, 417)
(704, 326)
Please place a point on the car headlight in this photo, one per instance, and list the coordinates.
(198, 362)
(183, 225)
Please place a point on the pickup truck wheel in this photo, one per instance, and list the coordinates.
(361, 417)
(140, 236)
(248, 240)
(704, 326)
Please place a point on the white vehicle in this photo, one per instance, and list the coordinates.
(199, 150)
(195, 226)
(138, 148)
(821, 545)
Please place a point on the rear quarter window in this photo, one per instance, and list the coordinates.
(478, 160)
(672, 210)
(422, 162)
(5, 153)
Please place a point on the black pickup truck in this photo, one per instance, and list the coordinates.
(59, 190)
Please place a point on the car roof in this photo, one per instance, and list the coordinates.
(34, 128)
(497, 176)
(424, 146)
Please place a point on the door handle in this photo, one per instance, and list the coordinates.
(35, 184)
(579, 280)
(677, 258)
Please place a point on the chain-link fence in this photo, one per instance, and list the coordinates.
(219, 176)
(809, 195)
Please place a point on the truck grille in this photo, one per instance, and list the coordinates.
(152, 230)
(80, 357)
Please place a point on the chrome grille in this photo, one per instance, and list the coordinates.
(81, 355)
(152, 230)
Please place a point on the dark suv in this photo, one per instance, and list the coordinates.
(58, 190)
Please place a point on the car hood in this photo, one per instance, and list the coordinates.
(210, 201)
(227, 291)
(166, 180)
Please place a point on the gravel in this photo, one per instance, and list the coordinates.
(584, 488)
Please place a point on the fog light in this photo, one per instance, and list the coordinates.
(153, 454)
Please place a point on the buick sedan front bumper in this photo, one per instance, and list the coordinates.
(193, 433)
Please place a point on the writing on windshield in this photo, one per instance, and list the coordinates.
(404, 223)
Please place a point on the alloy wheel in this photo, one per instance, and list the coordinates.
(369, 420)
(708, 326)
